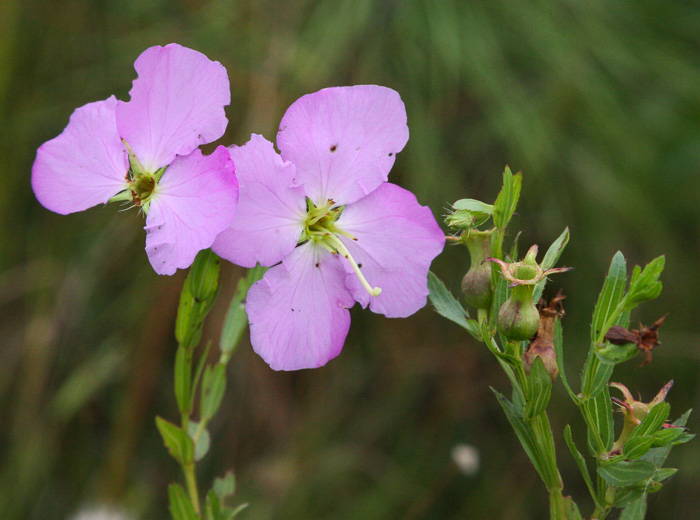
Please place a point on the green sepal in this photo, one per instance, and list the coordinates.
(468, 213)
(637, 447)
(507, 199)
(181, 507)
(447, 306)
(539, 390)
(611, 354)
(623, 474)
(599, 410)
(644, 284)
(204, 275)
(213, 388)
(202, 443)
(176, 440)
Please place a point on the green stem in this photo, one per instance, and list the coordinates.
(191, 479)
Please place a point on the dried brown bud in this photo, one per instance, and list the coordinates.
(542, 345)
(646, 338)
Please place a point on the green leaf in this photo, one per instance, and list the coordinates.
(233, 513)
(225, 486)
(667, 436)
(500, 295)
(657, 456)
(580, 462)
(596, 374)
(599, 410)
(507, 199)
(664, 473)
(653, 421)
(625, 496)
(180, 506)
(539, 390)
(202, 443)
(212, 507)
(213, 388)
(183, 379)
(524, 433)
(623, 474)
(637, 510)
(550, 259)
(610, 297)
(559, 352)
(637, 447)
(176, 440)
(611, 354)
(644, 285)
(571, 509)
(447, 306)
(236, 319)
(473, 205)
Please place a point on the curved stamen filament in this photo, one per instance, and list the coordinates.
(338, 244)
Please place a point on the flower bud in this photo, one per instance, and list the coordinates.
(518, 318)
(476, 284)
(542, 346)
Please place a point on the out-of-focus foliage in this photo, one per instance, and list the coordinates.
(598, 103)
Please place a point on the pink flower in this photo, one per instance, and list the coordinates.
(324, 210)
(146, 151)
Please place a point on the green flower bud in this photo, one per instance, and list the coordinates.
(518, 318)
(476, 284)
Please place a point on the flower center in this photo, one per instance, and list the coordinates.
(141, 184)
(320, 226)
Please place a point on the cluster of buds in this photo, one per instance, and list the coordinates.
(518, 318)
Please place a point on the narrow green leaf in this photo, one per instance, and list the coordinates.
(183, 379)
(236, 319)
(559, 352)
(596, 375)
(657, 456)
(507, 199)
(637, 510)
(233, 513)
(667, 436)
(653, 421)
(176, 440)
(550, 260)
(447, 306)
(599, 410)
(524, 433)
(623, 474)
(500, 295)
(580, 462)
(180, 506)
(199, 370)
(610, 297)
(539, 390)
(213, 388)
(644, 285)
(212, 507)
(637, 447)
(664, 473)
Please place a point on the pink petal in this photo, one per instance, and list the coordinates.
(298, 312)
(85, 165)
(177, 103)
(343, 140)
(194, 201)
(397, 239)
(271, 212)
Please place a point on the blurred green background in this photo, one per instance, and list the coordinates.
(597, 102)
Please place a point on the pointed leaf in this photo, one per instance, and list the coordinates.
(180, 506)
(645, 284)
(623, 474)
(653, 421)
(447, 306)
(507, 199)
(176, 440)
(236, 318)
(183, 379)
(610, 297)
(599, 410)
(202, 443)
(637, 510)
(213, 388)
(550, 260)
(637, 447)
(580, 462)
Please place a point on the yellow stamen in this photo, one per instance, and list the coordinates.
(338, 244)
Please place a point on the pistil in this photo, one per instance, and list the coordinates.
(338, 244)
